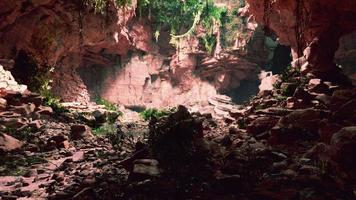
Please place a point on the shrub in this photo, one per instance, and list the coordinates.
(108, 105)
(109, 131)
(150, 113)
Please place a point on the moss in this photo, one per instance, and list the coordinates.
(150, 113)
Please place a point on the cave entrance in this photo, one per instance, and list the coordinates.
(25, 70)
(248, 88)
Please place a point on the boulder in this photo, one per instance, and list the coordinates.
(261, 124)
(25, 109)
(343, 148)
(14, 122)
(58, 141)
(288, 89)
(9, 143)
(307, 119)
(44, 111)
(80, 131)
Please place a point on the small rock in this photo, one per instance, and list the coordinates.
(146, 167)
(3, 104)
(35, 124)
(44, 110)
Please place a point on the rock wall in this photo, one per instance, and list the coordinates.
(114, 56)
(311, 27)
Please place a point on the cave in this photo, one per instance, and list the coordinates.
(193, 99)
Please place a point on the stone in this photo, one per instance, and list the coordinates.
(14, 123)
(80, 131)
(267, 81)
(261, 124)
(314, 82)
(327, 129)
(3, 104)
(288, 89)
(58, 141)
(307, 119)
(24, 110)
(233, 130)
(346, 111)
(343, 148)
(320, 88)
(44, 110)
(146, 168)
(323, 98)
(294, 103)
(36, 124)
(9, 143)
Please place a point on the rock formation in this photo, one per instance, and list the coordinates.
(114, 56)
(312, 28)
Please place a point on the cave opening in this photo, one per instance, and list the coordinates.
(248, 88)
(25, 70)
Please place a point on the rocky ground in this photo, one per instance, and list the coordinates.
(294, 142)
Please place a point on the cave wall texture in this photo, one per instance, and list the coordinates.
(313, 29)
(114, 55)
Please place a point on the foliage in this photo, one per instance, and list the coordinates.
(53, 102)
(108, 105)
(12, 165)
(100, 5)
(24, 134)
(110, 131)
(288, 76)
(150, 113)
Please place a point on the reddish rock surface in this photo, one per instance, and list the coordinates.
(312, 28)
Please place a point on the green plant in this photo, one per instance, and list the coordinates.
(150, 113)
(110, 131)
(23, 134)
(288, 75)
(108, 105)
(100, 5)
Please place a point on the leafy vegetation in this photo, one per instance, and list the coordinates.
(110, 131)
(12, 165)
(101, 5)
(108, 105)
(287, 77)
(24, 134)
(150, 113)
(51, 100)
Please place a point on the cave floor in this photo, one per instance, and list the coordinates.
(273, 147)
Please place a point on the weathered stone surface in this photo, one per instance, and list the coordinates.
(8, 82)
(318, 39)
(146, 167)
(9, 143)
(261, 124)
(79, 131)
(343, 146)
